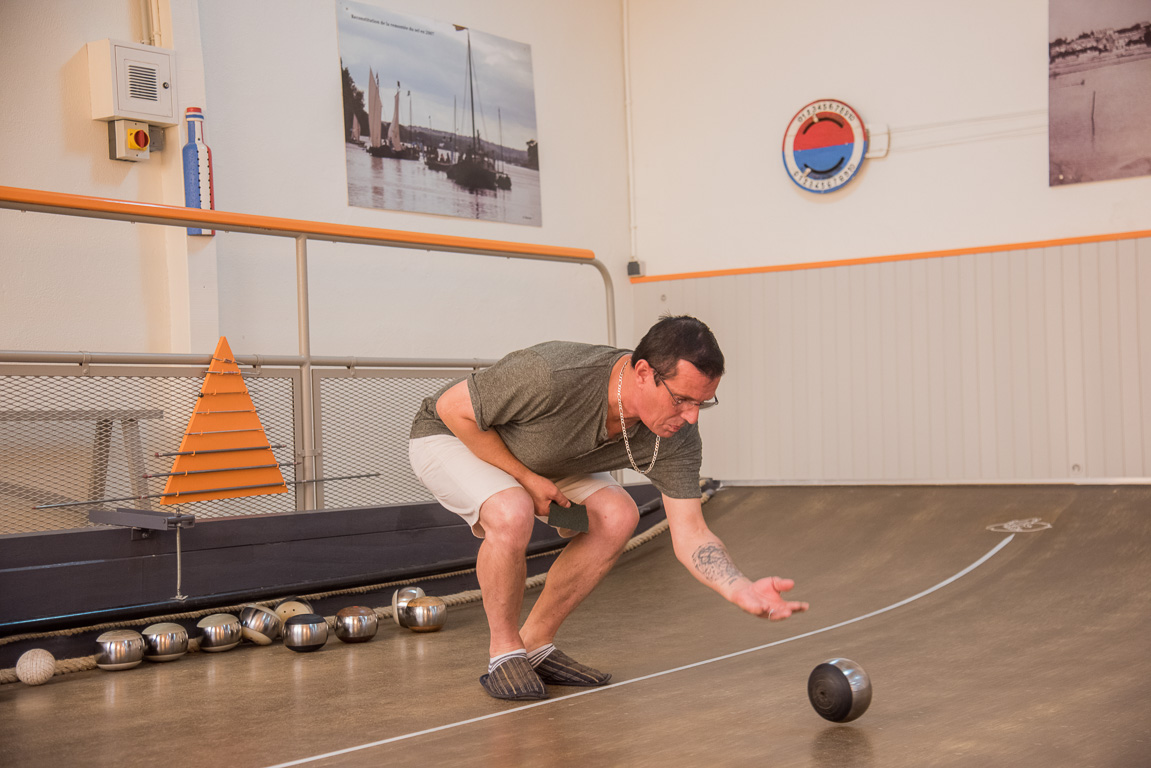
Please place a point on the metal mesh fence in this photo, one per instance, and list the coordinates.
(363, 427)
(87, 437)
(68, 437)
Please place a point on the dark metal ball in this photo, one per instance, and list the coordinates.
(839, 690)
(306, 632)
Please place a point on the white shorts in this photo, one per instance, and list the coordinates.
(462, 482)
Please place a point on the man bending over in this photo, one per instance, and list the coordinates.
(547, 424)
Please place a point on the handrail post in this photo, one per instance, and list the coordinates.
(609, 291)
(307, 437)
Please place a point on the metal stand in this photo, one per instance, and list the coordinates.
(143, 520)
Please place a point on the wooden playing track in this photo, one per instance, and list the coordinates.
(984, 648)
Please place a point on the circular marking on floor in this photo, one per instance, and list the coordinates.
(1028, 525)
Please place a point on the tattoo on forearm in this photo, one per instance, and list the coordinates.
(714, 564)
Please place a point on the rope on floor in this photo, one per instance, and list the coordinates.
(84, 663)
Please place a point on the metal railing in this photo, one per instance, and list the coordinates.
(301, 231)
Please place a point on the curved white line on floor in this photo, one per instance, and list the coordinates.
(589, 691)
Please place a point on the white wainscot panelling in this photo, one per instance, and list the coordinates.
(1017, 365)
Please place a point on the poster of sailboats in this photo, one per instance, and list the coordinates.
(456, 133)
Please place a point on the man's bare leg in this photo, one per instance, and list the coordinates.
(612, 517)
(501, 566)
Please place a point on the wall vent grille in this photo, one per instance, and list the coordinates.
(143, 83)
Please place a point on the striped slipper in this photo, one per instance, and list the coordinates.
(558, 668)
(515, 680)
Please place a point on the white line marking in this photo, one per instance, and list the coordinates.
(589, 691)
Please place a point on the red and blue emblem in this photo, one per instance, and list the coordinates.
(824, 146)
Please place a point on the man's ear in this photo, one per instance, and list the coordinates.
(643, 370)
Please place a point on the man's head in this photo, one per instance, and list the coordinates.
(680, 338)
(677, 367)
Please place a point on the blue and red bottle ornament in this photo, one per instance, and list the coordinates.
(198, 188)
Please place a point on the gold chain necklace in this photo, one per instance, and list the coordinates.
(623, 426)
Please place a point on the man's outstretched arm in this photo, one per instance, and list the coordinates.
(705, 556)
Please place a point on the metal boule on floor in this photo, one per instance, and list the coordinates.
(425, 614)
(356, 624)
(219, 632)
(260, 625)
(306, 633)
(120, 649)
(839, 690)
(400, 600)
(166, 641)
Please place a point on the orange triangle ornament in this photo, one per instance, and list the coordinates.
(225, 453)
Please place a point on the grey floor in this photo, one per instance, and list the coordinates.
(1037, 656)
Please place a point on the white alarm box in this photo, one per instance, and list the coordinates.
(132, 81)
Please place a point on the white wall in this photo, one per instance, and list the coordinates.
(70, 284)
(273, 67)
(714, 86)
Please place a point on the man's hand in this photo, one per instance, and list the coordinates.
(455, 408)
(764, 598)
(704, 555)
(543, 493)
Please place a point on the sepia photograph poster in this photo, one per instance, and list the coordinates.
(438, 118)
(1099, 90)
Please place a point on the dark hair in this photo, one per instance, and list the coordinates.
(680, 338)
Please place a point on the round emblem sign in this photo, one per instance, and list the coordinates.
(824, 145)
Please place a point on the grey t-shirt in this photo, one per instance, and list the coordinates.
(549, 404)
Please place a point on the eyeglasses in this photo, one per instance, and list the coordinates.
(682, 402)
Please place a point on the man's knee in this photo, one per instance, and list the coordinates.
(508, 517)
(612, 514)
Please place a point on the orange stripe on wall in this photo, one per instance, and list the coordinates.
(898, 257)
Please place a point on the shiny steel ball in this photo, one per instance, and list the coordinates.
(400, 599)
(260, 625)
(425, 614)
(306, 632)
(356, 624)
(219, 632)
(166, 641)
(120, 649)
